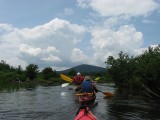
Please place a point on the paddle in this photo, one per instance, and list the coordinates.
(108, 94)
(65, 84)
(97, 78)
(66, 78)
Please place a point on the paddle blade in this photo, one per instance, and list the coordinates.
(97, 78)
(108, 94)
(66, 78)
(65, 84)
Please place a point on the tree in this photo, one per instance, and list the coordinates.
(4, 66)
(133, 72)
(47, 73)
(31, 71)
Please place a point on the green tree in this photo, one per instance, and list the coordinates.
(4, 66)
(148, 67)
(119, 68)
(31, 71)
(134, 71)
(55, 74)
(47, 73)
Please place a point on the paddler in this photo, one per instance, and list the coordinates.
(88, 87)
(77, 80)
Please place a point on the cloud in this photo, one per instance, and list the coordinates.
(106, 42)
(120, 7)
(68, 11)
(25, 49)
(6, 27)
(50, 44)
(52, 58)
(78, 56)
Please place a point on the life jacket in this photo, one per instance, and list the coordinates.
(78, 80)
(87, 86)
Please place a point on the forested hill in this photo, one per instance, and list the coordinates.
(84, 68)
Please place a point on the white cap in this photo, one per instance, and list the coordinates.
(78, 73)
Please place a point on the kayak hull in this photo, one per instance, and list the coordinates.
(85, 114)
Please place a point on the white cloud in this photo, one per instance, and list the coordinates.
(25, 49)
(120, 7)
(83, 3)
(52, 58)
(48, 44)
(78, 56)
(50, 49)
(68, 11)
(106, 42)
(6, 27)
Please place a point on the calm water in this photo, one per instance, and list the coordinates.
(56, 103)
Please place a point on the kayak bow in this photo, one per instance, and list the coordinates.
(85, 114)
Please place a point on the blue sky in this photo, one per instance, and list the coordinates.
(65, 33)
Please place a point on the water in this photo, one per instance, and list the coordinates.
(57, 103)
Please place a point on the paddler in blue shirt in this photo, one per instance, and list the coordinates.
(87, 87)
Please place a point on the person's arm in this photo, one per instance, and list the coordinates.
(78, 88)
(95, 89)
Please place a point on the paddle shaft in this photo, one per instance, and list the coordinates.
(100, 91)
(109, 94)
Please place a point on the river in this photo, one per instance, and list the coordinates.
(57, 103)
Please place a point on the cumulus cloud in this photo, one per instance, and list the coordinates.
(107, 42)
(50, 44)
(25, 49)
(120, 7)
(78, 56)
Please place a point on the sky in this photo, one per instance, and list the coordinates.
(65, 33)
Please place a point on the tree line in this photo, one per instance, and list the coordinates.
(9, 74)
(135, 71)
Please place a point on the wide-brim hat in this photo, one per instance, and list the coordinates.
(87, 78)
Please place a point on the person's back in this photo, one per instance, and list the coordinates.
(78, 79)
(87, 85)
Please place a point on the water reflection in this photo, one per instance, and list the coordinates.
(128, 105)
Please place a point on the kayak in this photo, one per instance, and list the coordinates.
(86, 98)
(85, 114)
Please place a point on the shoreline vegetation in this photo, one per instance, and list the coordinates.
(140, 72)
(131, 72)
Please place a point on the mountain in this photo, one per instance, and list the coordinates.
(84, 68)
